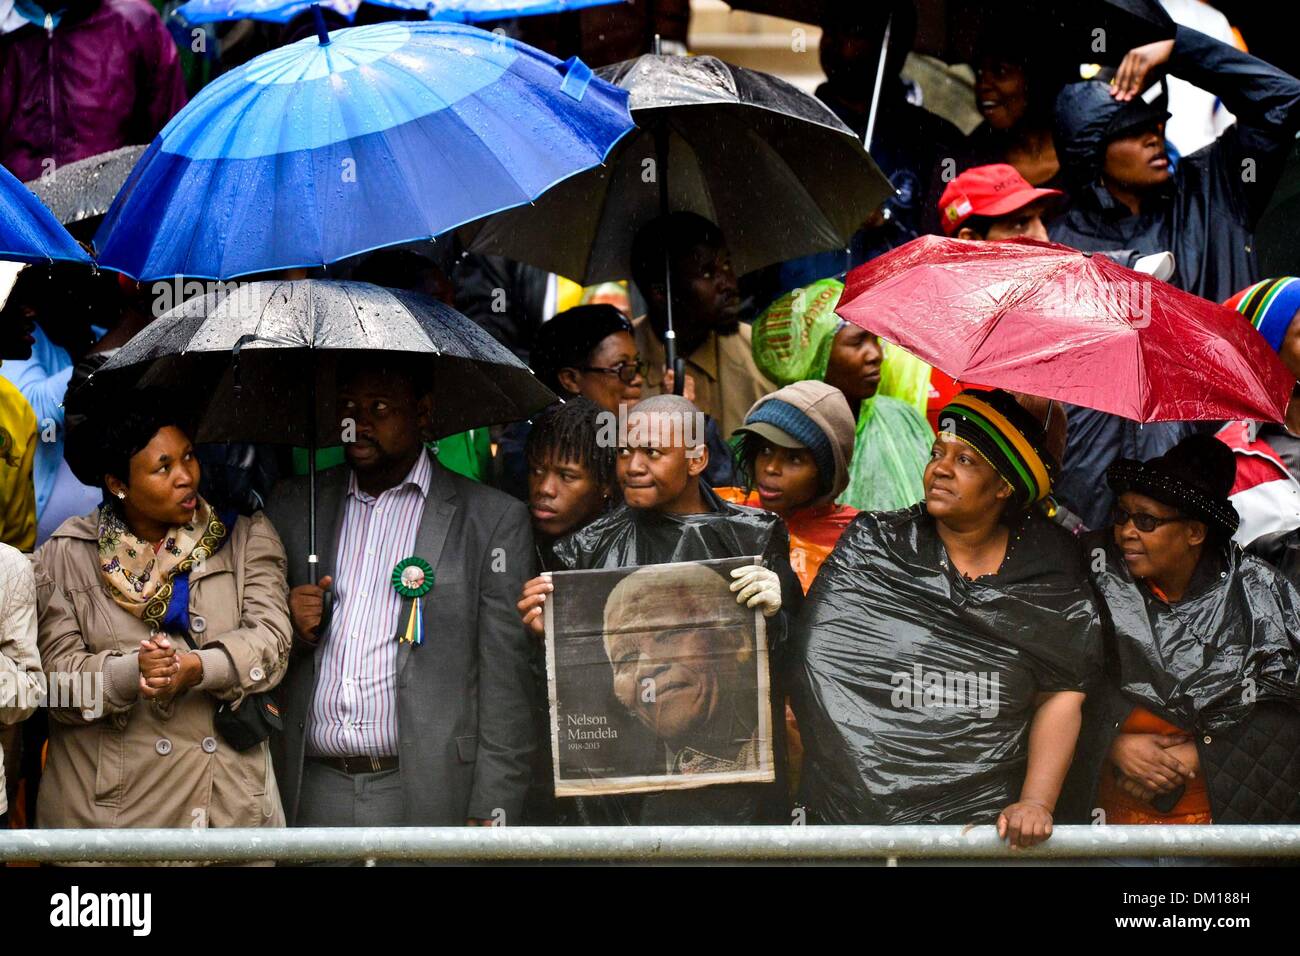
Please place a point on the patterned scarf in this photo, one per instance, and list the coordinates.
(140, 580)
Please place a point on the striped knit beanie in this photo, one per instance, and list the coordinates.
(1270, 306)
(1007, 436)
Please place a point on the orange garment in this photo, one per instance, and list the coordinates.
(1120, 807)
(813, 531)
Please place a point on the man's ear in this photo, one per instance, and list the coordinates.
(967, 233)
(697, 460)
(568, 378)
(1196, 533)
(1005, 492)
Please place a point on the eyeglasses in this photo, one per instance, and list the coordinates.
(1141, 520)
(627, 372)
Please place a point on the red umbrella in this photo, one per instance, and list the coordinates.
(1049, 320)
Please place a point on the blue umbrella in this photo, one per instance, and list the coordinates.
(368, 137)
(28, 231)
(457, 11)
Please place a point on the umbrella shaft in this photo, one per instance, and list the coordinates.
(880, 80)
(312, 558)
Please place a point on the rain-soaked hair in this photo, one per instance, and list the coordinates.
(567, 431)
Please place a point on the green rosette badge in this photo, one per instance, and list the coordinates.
(413, 578)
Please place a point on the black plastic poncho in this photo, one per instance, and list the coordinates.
(1203, 662)
(914, 687)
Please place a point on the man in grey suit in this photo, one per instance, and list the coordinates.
(381, 731)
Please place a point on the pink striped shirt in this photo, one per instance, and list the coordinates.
(354, 710)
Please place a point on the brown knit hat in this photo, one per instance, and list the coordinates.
(827, 408)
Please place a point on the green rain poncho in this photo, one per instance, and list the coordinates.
(792, 343)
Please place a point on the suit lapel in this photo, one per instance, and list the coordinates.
(439, 509)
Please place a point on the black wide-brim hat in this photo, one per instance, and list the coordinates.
(1195, 476)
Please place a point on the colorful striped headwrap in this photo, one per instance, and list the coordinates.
(1007, 436)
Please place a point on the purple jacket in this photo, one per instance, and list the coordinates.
(107, 76)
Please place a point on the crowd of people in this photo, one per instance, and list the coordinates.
(1122, 596)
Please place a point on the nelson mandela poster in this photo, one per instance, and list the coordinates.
(658, 680)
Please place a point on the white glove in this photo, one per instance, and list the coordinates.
(758, 587)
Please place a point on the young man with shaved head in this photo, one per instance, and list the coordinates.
(669, 515)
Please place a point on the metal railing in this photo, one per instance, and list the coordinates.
(724, 844)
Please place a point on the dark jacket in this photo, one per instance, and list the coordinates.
(108, 75)
(1207, 214)
(1221, 664)
(465, 696)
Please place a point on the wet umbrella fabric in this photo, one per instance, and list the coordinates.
(85, 189)
(247, 349)
(28, 231)
(770, 165)
(389, 133)
(455, 11)
(1049, 320)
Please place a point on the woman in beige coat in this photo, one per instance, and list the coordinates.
(135, 743)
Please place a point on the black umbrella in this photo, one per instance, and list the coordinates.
(257, 356)
(773, 167)
(85, 189)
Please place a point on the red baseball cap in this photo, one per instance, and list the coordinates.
(994, 190)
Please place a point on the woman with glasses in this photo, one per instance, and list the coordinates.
(1198, 717)
(589, 351)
